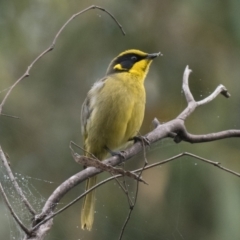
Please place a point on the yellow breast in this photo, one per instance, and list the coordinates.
(118, 110)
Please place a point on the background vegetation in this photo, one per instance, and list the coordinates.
(185, 199)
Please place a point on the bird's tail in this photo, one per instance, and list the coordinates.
(87, 213)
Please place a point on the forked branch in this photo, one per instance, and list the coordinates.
(42, 229)
(173, 129)
(170, 129)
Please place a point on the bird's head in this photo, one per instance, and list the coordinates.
(132, 61)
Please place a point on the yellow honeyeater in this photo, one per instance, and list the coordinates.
(113, 113)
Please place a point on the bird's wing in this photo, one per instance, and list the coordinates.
(89, 103)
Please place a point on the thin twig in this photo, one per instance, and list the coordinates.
(10, 116)
(124, 188)
(94, 162)
(74, 201)
(220, 89)
(125, 223)
(15, 184)
(130, 202)
(215, 164)
(185, 86)
(132, 205)
(91, 162)
(192, 104)
(51, 47)
(84, 150)
(12, 211)
(83, 11)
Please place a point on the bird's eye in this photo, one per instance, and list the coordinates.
(134, 58)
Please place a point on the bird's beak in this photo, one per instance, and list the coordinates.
(153, 55)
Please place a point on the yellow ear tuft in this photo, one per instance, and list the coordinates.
(119, 67)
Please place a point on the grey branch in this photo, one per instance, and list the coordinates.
(161, 131)
(185, 85)
(215, 164)
(12, 211)
(15, 183)
(90, 162)
(173, 129)
(42, 230)
(192, 104)
(188, 137)
(51, 47)
(220, 89)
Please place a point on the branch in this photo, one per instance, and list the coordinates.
(220, 89)
(192, 138)
(192, 104)
(185, 86)
(132, 205)
(42, 230)
(38, 223)
(12, 212)
(215, 164)
(174, 128)
(51, 47)
(169, 129)
(90, 162)
(15, 184)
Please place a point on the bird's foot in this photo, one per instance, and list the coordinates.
(121, 154)
(143, 139)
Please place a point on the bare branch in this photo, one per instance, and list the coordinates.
(125, 223)
(172, 128)
(51, 47)
(66, 186)
(12, 211)
(185, 85)
(125, 190)
(90, 162)
(220, 89)
(15, 184)
(39, 221)
(188, 137)
(162, 131)
(216, 164)
(192, 104)
(83, 11)
(132, 205)
(44, 228)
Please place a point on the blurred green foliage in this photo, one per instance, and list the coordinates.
(185, 199)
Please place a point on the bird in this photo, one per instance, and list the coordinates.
(112, 113)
